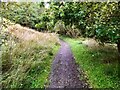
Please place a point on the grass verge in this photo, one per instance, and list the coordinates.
(100, 65)
(26, 56)
(26, 65)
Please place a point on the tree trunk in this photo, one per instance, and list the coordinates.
(118, 46)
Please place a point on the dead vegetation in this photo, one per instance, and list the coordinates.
(27, 34)
(91, 43)
(24, 50)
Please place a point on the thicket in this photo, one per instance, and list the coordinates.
(26, 14)
(100, 20)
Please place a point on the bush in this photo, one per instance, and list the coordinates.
(72, 31)
(26, 14)
(60, 27)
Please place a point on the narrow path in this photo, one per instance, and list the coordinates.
(64, 73)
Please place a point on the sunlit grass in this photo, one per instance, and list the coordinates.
(100, 65)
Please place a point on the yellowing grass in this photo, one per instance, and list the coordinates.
(26, 56)
(27, 34)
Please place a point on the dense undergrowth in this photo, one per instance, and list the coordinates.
(25, 63)
(100, 65)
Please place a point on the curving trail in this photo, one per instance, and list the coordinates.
(64, 73)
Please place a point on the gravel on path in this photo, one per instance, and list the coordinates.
(64, 73)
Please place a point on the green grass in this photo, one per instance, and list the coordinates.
(26, 64)
(99, 65)
(38, 77)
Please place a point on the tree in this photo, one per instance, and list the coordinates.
(93, 19)
(26, 14)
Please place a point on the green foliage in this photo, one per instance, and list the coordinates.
(72, 31)
(26, 14)
(100, 20)
(60, 27)
(92, 19)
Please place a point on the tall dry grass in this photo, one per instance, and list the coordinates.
(27, 34)
(24, 50)
(17, 63)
